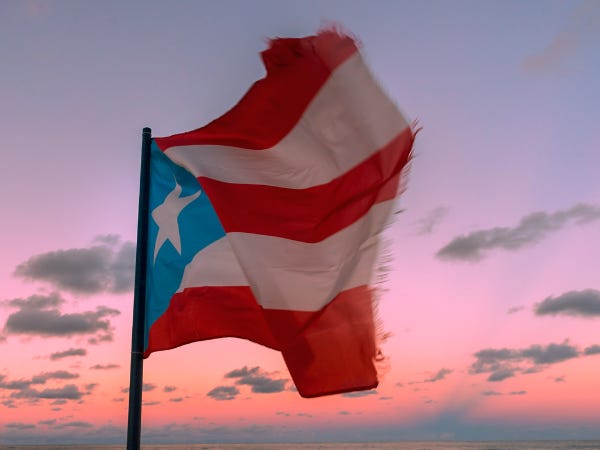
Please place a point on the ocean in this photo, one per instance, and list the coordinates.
(421, 445)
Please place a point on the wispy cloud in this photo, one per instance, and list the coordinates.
(438, 376)
(584, 303)
(515, 309)
(359, 394)
(104, 366)
(504, 363)
(106, 266)
(68, 353)
(582, 28)
(530, 230)
(427, 224)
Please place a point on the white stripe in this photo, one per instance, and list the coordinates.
(349, 119)
(292, 275)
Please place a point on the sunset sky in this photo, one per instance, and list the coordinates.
(492, 296)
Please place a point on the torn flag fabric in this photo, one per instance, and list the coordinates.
(265, 223)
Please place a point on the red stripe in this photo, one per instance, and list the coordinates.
(296, 70)
(312, 214)
(333, 350)
(328, 351)
(228, 311)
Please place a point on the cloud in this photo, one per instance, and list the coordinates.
(41, 378)
(146, 387)
(105, 266)
(176, 399)
(260, 381)
(67, 353)
(67, 392)
(243, 372)
(39, 316)
(48, 422)
(358, 394)
(517, 393)
(440, 375)
(496, 393)
(491, 393)
(428, 223)
(169, 389)
(584, 303)
(19, 426)
(592, 350)
(105, 366)
(530, 230)
(582, 27)
(505, 363)
(515, 309)
(223, 393)
(74, 424)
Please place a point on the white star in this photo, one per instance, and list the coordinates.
(165, 215)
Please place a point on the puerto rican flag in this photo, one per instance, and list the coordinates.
(265, 223)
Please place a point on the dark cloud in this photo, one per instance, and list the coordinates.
(260, 381)
(47, 422)
(37, 301)
(105, 266)
(517, 393)
(74, 424)
(67, 392)
(104, 366)
(243, 372)
(531, 229)
(592, 350)
(19, 426)
(169, 389)
(68, 353)
(176, 399)
(152, 403)
(58, 375)
(515, 309)
(39, 316)
(491, 393)
(146, 387)
(343, 413)
(559, 379)
(501, 374)
(505, 363)
(386, 398)
(24, 384)
(428, 223)
(8, 403)
(224, 393)
(358, 394)
(584, 303)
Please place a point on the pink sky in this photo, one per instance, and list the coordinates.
(507, 94)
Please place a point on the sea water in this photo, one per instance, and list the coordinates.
(421, 445)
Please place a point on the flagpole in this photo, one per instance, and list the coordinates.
(134, 423)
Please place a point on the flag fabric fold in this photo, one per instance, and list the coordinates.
(265, 223)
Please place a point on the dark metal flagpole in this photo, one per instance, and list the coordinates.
(134, 423)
